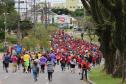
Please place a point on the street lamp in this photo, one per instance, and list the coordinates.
(46, 17)
(5, 26)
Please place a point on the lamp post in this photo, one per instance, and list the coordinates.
(5, 30)
(46, 18)
(18, 29)
(26, 17)
(34, 10)
(5, 26)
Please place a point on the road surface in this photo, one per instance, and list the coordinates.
(59, 77)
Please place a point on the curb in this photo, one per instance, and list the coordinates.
(90, 82)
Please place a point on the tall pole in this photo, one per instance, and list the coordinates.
(46, 18)
(26, 9)
(34, 13)
(5, 29)
(18, 30)
(5, 26)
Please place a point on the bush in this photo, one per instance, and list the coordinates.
(29, 43)
(1, 47)
(38, 37)
(12, 40)
(2, 35)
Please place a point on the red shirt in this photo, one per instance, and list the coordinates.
(79, 60)
(85, 65)
(14, 59)
(58, 56)
(69, 58)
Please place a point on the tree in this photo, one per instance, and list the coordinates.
(7, 6)
(110, 19)
(61, 11)
(25, 26)
(78, 13)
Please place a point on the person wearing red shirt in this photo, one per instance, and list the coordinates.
(94, 60)
(85, 66)
(68, 61)
(58, 57)
(63, 63)
(79, 60)
(14, 61)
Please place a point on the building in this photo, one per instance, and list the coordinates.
(58, 5)
(71, 5)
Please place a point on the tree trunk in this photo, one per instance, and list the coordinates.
(117, 65)
(124, 67)
(107, 48)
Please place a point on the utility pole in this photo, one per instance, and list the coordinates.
(46, 18)
(26, 9)
(34, 7)
(18, 30)
(5, 25)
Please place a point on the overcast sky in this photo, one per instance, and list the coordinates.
(23, 5)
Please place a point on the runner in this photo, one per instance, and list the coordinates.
(50, 69)
(39, 55)
(26, 62)
(68, 61)
(6, 60)
(43, 61)
(79, 60)
(85, 67)
(72, 65)
(53, 57)
(35, 70)
(14, 62)
(63, 63)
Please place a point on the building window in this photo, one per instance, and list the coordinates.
(73, 6)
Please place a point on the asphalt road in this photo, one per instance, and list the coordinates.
(59, 77)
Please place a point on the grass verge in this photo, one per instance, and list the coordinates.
(100, 77)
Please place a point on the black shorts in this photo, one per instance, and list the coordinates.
(6, 65)
(79, 66)
(42, 66)
(63, 64)
(72, 65)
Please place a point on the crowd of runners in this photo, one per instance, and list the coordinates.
(65, 51)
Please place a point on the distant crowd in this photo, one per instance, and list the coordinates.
(64, 51)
